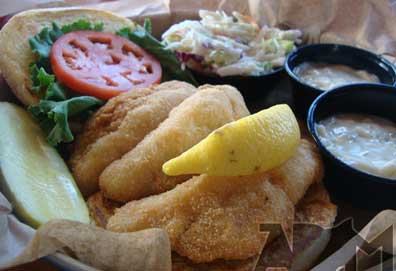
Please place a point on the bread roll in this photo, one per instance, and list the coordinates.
(15, 53)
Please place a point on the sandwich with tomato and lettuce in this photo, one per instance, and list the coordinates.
(64, 63)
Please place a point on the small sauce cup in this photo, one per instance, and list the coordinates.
(251, 87)
(359, 59)
(344, 181)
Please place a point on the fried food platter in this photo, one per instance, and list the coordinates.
(201, 166)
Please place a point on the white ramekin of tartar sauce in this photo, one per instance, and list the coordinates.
(365, 142)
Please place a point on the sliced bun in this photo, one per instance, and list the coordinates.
(15, 52)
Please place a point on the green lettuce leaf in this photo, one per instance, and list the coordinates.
(81, 25)
(45, 86)
(56, 92)
(171, 68)
(42, 42)
(147, 25)
(40, 80)
(53, 116)
(55, 109)
(41, 45)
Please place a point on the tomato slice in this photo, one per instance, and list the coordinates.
(102, 64)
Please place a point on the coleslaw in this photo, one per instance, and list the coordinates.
(229, 45)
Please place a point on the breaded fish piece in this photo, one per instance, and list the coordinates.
(315, 215)
(101, 209)
(119, 126)
(291, 177)
(314, 208)
(210, 218)
(180, 263)
(297, 174)
(139, 172)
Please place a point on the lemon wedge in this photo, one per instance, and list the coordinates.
(255, 143)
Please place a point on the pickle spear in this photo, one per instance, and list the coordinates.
(34, 177)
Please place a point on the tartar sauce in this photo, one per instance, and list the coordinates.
(362, 141)
(329, 76)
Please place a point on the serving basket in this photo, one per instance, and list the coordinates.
(163, 14)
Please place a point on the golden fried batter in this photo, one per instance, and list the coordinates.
(101, 209)
(180, 263)
(296, 175)
(309, 240)
(210, 218)
(119, 126)
(139, 172)
(315, 208)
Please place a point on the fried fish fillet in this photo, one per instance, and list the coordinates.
(183, 264)
(210, 218)
(315, 215)
(139, 172)
(309, 240)
(101, 209)
(296, 175)
(119, 126)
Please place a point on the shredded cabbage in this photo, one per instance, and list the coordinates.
(230, 45)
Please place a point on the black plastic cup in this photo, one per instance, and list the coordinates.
(304, 94)
(251, 87)
(344, 181)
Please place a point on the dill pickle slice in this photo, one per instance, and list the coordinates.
(34, 177)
